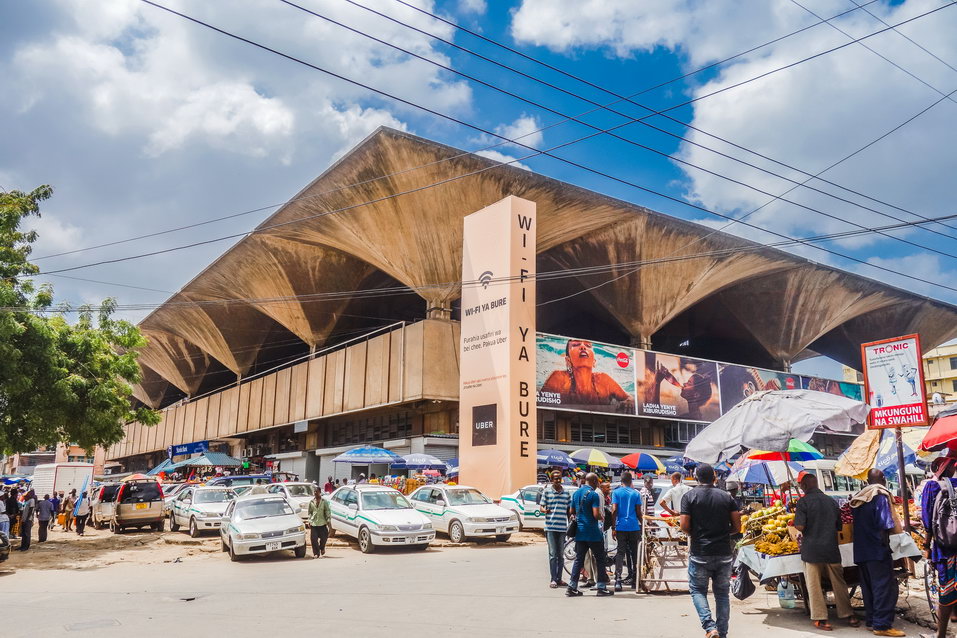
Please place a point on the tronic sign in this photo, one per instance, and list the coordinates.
(894, 382)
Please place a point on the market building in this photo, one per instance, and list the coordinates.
(337, 322)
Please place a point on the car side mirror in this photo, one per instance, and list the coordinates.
(440, 503)
(353, 506)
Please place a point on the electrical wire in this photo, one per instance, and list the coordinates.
(673, 157)
(546, 153)
(492, 146)
(665, 115)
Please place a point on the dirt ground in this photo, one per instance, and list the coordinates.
(100, 548)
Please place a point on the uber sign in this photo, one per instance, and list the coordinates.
(484, 424)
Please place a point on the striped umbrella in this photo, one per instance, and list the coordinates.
(764, 472)
(555, 458)
(796, 451)
(593, 456)
(419, 462)
(644, 462)
(367, 456)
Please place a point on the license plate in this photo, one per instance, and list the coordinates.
(272, 547)
(142, 506)
(398, 540)
(500, 530)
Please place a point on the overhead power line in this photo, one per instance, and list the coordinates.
(547, 152)
(489, 147)
(673, 157)
(689, 125)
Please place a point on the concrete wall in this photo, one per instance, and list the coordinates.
(412, 363)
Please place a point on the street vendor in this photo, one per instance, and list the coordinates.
(874, 520)
(818, 518)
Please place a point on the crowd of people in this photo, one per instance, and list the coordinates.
(20, 510)
(711, 517)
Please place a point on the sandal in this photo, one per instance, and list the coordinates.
(853, 621)
(823, 625)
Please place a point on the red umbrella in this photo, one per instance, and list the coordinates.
(942, 434)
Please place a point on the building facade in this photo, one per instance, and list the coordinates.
(940, 373)
(335, 324)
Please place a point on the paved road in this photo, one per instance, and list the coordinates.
(452, 591)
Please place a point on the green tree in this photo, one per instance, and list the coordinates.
(59, 381)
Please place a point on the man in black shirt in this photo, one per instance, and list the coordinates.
(710, 516)
(818, 518)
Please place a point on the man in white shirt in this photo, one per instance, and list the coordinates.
(671, 501)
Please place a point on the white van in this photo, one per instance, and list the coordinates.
(62, 477)
(843, 488)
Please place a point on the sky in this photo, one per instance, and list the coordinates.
(143, 121)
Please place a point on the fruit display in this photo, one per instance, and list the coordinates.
(767, 529)
(846, 515)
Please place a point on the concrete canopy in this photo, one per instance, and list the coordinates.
(373, 218)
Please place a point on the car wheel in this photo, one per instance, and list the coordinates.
(301, 551)
(456, 532)
(173, 527)
(521, 527)
(223, 544)
(161, 526)
(365, 541)
(232, 555)
(114, 527)
(503, 538)
(193, 529)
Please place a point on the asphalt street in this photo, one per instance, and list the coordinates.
(476, 590)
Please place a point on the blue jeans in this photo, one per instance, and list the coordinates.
(703, 570)
(556, 543)
(597, 549)
(5, 527)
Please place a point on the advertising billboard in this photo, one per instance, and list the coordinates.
(677, 387)
(585, 376)
(738, 382)
(894, 382)
(842, 388)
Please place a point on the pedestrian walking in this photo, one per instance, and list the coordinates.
(874, 521)
(44, 512)
(56, 509)
(81, 511)
(329, 487)
(648, 495)
(556, 501)
(627, 510)
(671, 501)
(710, 516)
(587, 505)
(818, 518)
(69, 504)
(13, 511)
(4, 519)
(28, 510)
(943, 558)
(319, 516)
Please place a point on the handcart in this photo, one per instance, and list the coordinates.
(662, 556)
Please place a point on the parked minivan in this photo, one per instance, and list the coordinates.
(139, 503)
(101, 504)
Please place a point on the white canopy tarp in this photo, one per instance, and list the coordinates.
(768, 420)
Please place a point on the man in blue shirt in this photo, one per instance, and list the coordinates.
(626, 508)
(873, 522)
(586, 504)
(555, 503)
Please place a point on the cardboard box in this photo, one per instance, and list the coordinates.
(793, 533)
(846, 535)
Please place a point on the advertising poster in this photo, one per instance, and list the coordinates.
(841, 388)
(739, 382)
(582, 375)
(894, 382)
(676, 387)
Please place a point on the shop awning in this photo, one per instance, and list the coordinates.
(165, 466)
(209, 459)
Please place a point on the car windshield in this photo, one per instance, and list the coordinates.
(301, 490)
(261, 509)
(467, 497)
(384, 501)
(214, 496)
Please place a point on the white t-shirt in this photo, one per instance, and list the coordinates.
(672, 497)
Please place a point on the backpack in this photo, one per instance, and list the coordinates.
(944, 521)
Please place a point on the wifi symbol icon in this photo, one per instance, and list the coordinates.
(485, 278)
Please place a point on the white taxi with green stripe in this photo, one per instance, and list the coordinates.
(527, 505)
(378, 515)
(199, 508)
(464, 512)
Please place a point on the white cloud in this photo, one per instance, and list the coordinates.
(929, 267)
(53, 234)
(502, 157)
(473, 6)
(525, 129)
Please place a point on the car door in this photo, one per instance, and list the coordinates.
(436, 508)
(351, 521)
(336, 510)
(530, 510)
(224, 526)
(181, 505)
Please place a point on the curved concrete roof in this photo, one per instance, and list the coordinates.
(790, 307)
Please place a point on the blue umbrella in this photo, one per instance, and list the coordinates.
(679, 464)
(886, 459)
(368, 455)
(555, 458)
(419, 462)
(452, 466)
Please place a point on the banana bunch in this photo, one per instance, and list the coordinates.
(773, 545)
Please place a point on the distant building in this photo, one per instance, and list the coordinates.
(26, 462)
(940, 373)
(851, 375)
